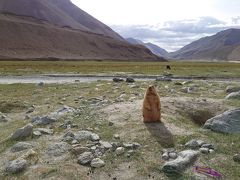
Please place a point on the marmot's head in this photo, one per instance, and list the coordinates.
(151, 90)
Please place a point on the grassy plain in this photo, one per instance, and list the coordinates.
(104, 101)
(193, 69)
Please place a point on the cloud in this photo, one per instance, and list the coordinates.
(173, 35)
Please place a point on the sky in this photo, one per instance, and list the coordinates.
(171, 24)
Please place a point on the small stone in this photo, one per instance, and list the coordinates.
(20, 146)
(23, 132)
(78, 149)
(204, 150)
(116, 136)
(169, 150)
(45, 120)
(118, 79)
(200, 143)
(193, 144)
(16, 166)
(40, 84)
(97, 163)
(165, 156)
(3, 118)
(29, 154)
(74, 141)
(136, 145)
(130, 80)
(211, 151)
(110, 123)
(37, 133)
(236, 158)
(85, 158)
(120, 150)
(128, 145)
(44, 130)
(131, 152)
(105, 144)
(58, 149)
(30, 110)
(209, 146)
(173, 155)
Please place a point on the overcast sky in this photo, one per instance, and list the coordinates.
(170, 24)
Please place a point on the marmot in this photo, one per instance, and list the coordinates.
(151, 106)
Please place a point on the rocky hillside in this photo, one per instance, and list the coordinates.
(41, 29)
(224, 45)
(152, 47)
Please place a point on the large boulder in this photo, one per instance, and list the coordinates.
(16, 166)
(234, 95)
(22, 133)
(184, 160)
(228, 122)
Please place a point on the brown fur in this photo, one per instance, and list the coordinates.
(151, 106)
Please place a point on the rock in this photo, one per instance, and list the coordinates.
(204, 150)
(234, 95)
(116, 136)
(200, 142)
(16, 166)
(176, 167)
(193, 144)
(68, 136)
(86, 135)
(62, 112)
(78, 149)
(45, 120)
(187, 82)
(165, 156)
(44, 130)
(228, 122)
(36, 134)
(209, 146)
(31, 153)
(118, 79)
(169, 150)
(66, 124)
(173, 155)
(110, 123)
(97, 163)
(85, 158)
(105, 144)
(74, 141)
(136, 145)
(164, 78)
(58, 149)
(22, 133)
(128, 145)
(231, 89)
(40, 84)
(30, 110)
(178, 84)
(211, 151)
(3, 118)
(120, 150)
(130, 80)
(236, 158)
(20, 146)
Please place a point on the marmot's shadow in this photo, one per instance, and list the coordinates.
(160, 132)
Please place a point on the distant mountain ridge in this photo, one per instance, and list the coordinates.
(57, 29)
(152, 47)
(224, 45)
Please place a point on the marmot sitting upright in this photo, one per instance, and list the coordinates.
(151, 106)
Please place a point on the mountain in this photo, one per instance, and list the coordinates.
(152, 47)
(224, 45)
(57, 29)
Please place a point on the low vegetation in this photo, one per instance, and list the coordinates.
(120, 103)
